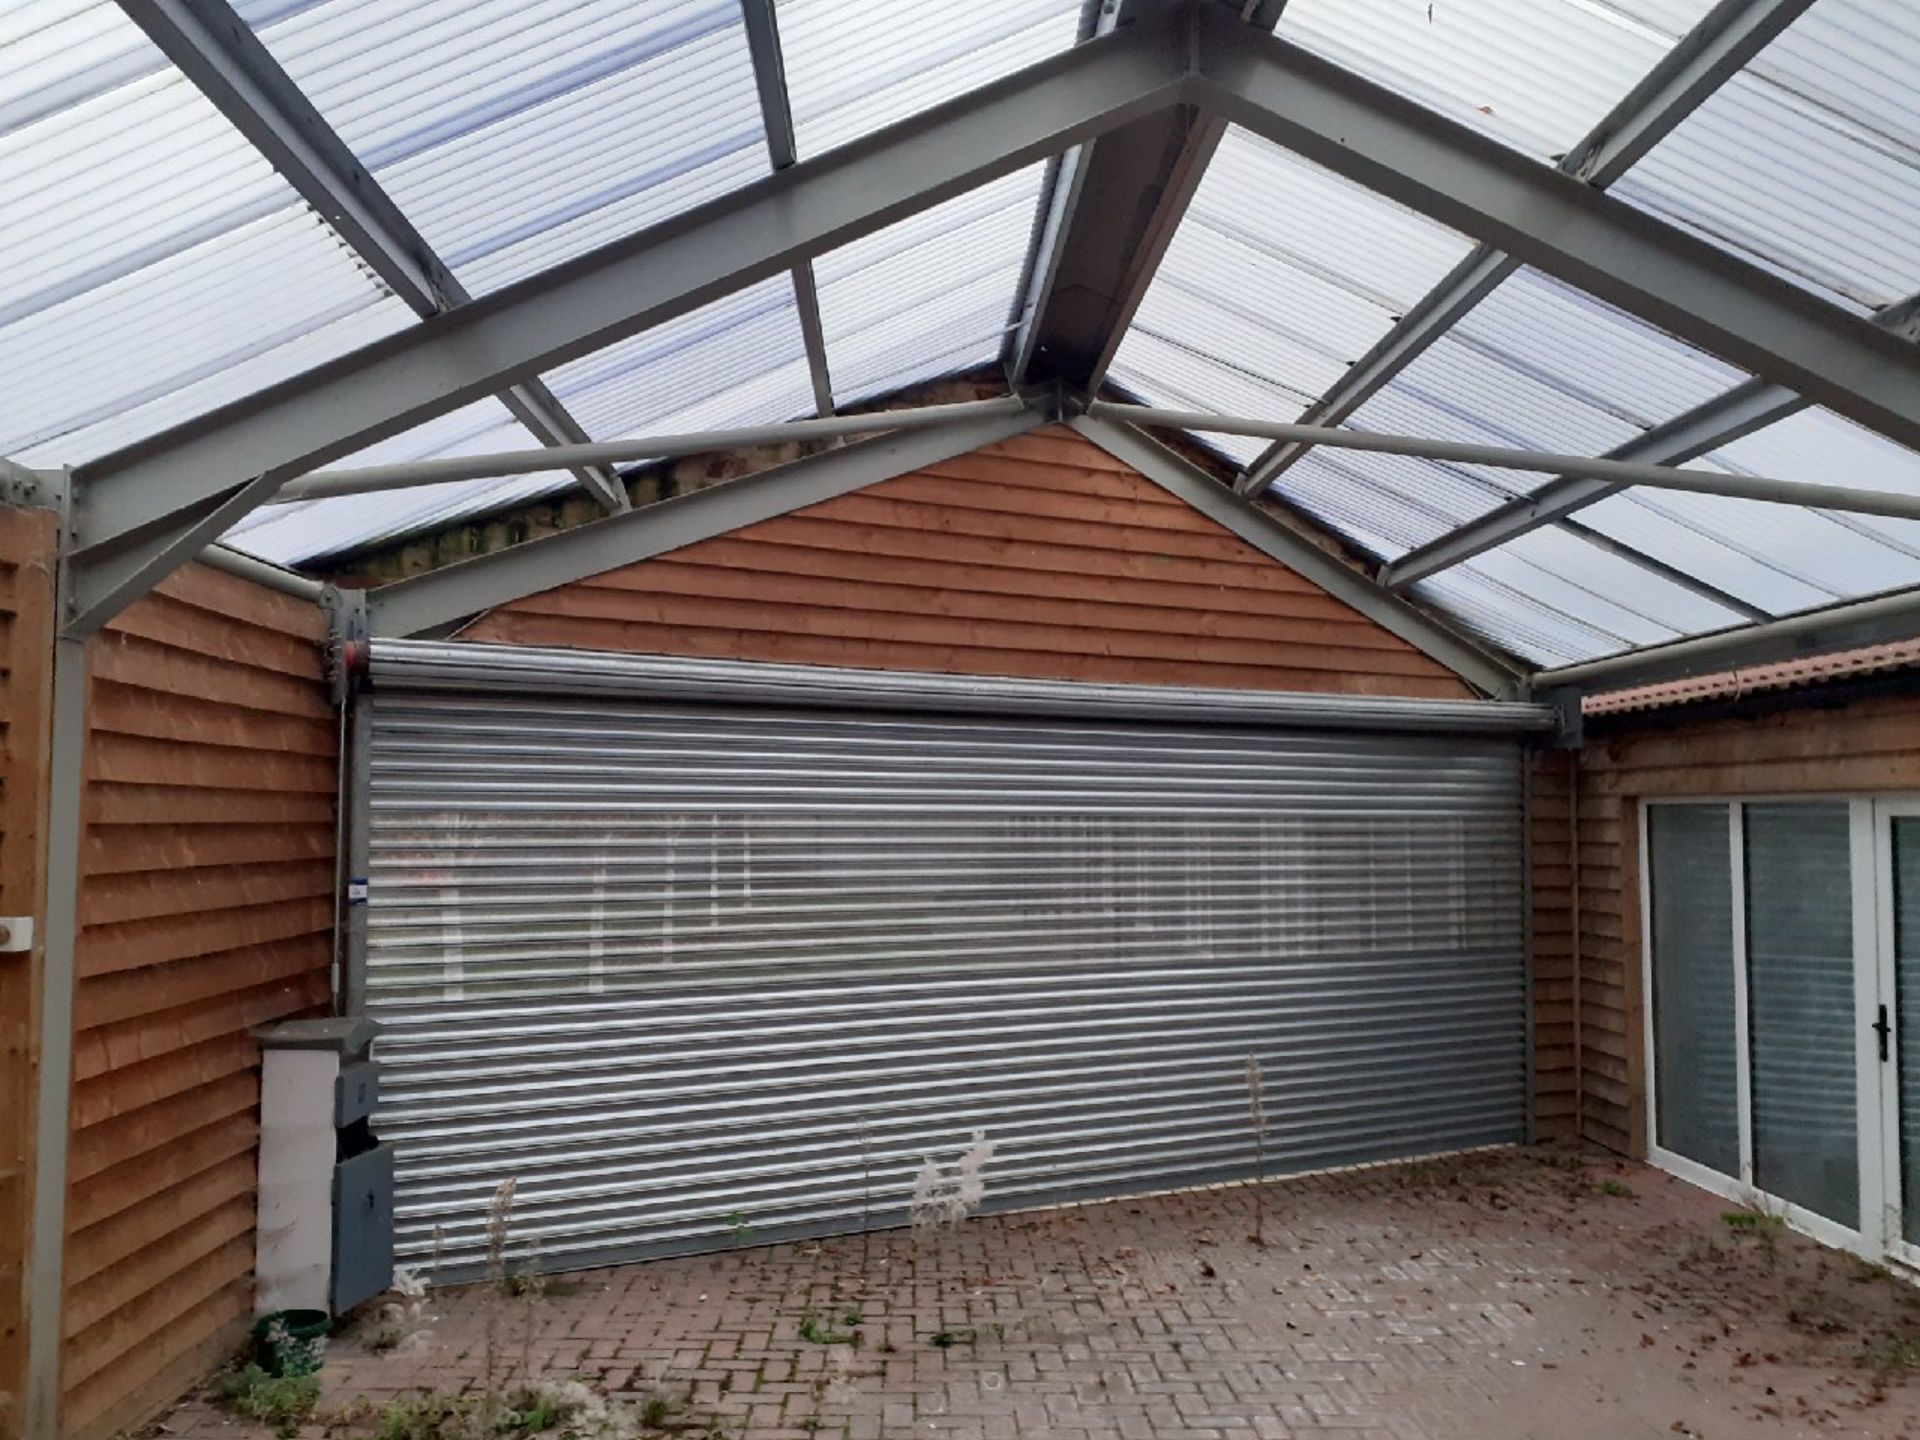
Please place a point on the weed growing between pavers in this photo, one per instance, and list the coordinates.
(282, 1402)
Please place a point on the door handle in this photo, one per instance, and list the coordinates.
(1883, 1030)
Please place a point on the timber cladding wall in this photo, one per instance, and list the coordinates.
(206, 908)
(26, 656)
(1588, 1041)
(1041, 557)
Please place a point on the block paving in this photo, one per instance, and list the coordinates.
(1504, 1294)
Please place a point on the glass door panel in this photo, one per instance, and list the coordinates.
(1904, 893)
(1801, 1006)
(1696, 1027)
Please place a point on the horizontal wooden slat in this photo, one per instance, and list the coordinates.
(94, 1248)
(1315, 620)
(1310, 649)
(1044, 558)
(513, 627)
(207, 903)
(107, 1000)
(112, 899)
(106, 1049)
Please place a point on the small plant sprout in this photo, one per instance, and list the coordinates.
(1619, 1189)
(944, 1195)
(1257, 1115)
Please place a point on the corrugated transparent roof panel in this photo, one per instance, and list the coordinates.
(1535, 74)
(1808, 162)
(1535, 366)
(855, 66)
(739, 360)
(1280, 276)
(1553, 598)
(929, 295)
(152, 265)
(309, 529)
(517, 136)
(1177, 384)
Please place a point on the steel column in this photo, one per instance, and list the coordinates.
(220, 54)
(424, 602)
(154, 491)
(1705, 59)
(1487, 673)
(53, 1114)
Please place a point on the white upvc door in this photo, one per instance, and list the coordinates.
(1894, 1024)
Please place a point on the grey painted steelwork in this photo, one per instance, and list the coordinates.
(1465, 180)
(770, 78)
(419, 604)
(1740, 411)
(1835, 627)
(420, 666)
(263, 572)
(366, 479)
(671, 964)
(220, 54)
(1490, 674)
(1715, 50)
(145, 508)
(1623, 472)
(53, 1115)
(153, 488)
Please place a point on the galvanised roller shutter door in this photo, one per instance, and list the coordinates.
(692, 970)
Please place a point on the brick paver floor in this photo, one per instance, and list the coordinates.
(1493, 1296)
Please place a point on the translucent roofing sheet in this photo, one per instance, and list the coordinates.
(1553, 598)
(1809, 162)
(739, 360)
(152, 265)
(1535, 74)
(517, 136)
(930, 295)
(1280, 276)
(855, 66)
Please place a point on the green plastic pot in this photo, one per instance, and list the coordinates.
(292, 1342)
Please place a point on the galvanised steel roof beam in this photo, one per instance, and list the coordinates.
(770, 76)
(146, 508)
(438, 598)
(218, 51)
(1716, 49)
(1656, 271)
(1720, 421)
(1489, 673)
(1847, 626)
(1116, 204)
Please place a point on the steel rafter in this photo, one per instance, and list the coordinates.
(1115, 205)
(1740, 411)
(1716, 49)
(218, 51)
(438, 598)
(770, 77)
(1489, 673)
(1658, 272)
(145, 507)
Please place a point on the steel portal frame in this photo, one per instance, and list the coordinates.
(1154, 94)
(1169, 78)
